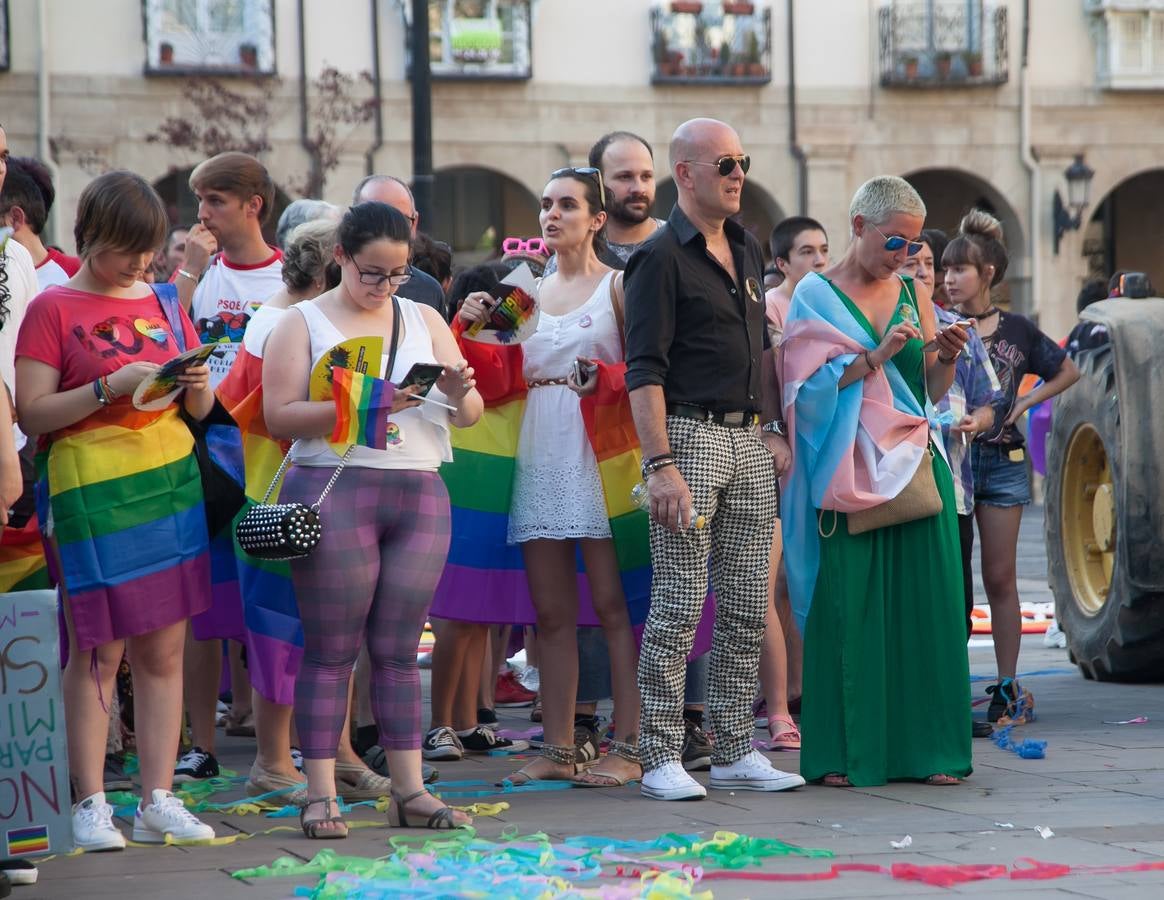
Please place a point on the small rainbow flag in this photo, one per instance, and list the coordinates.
(362, 404)
(22, 841)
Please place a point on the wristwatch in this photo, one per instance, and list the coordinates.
(776, 426)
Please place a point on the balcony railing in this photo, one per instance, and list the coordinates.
(943, 43)
(711, 43)
(480, 39)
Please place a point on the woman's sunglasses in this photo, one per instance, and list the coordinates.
(895, 242)
(531, 245)
(585, 172)
(725, 165)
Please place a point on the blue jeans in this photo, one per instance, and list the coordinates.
(999, 480)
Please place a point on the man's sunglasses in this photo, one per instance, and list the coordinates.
(895, 242)
(376, 279)
(725, 165)
(585, 172)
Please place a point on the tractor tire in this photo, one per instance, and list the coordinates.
(1115, 631)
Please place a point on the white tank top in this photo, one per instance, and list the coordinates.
(420, 438)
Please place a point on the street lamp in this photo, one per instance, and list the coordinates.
(1070, 216)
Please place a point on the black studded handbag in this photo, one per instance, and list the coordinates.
(284, 530)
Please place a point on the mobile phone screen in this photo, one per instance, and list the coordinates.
(424, 375)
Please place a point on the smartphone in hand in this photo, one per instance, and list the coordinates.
(423, 375)
(583, 372)
(932, 344)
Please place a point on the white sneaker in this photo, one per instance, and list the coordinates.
(753, 773)
(93, 827)
(166, 815)
(670, 781)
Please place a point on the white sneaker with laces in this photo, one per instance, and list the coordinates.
(670, 781)
(93, 827)
(166, 815)
(753, 773)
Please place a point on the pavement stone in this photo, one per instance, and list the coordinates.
(1099, 790)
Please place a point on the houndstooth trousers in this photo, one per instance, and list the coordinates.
(730, 475)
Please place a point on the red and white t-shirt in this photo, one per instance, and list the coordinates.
(224, 301)
(56, 268)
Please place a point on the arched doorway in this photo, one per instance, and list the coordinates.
(758, 213)
(182, 205)
(475, 209)
(951, 193)
(1126, 231)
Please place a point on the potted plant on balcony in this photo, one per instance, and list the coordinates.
(942, 62)
(725, 58)
(739, 9)
(686, 6)
(248, 56)
(663, 64)
(973, 60)
(476, 40)
(752, 56)
(909, 66)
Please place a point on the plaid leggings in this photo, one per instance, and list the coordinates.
(732, 483)
(385, 539)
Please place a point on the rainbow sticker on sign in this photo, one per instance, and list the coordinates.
(22, 841)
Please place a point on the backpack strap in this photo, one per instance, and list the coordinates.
(167, 295)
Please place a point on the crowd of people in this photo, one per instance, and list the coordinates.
(712, 492)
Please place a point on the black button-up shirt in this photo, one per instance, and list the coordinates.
(689, 327)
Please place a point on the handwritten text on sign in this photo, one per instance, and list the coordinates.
(34, 786)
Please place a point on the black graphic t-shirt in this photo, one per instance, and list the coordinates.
(1016, 348)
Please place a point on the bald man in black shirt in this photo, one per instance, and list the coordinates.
(695, 335)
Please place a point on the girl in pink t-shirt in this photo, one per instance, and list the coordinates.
(120, 500)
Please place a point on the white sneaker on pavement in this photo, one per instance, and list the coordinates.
(753, 773)
(671, 781)
(166, 815)
(93, 827)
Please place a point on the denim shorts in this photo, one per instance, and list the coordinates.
(998, 480)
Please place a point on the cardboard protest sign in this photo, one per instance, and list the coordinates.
(35, 810)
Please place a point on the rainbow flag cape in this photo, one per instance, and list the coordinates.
(120, 495)
(484, 579)
(274, 634)
(22, 562)
(362, 404)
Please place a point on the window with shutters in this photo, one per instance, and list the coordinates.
(1129, 43)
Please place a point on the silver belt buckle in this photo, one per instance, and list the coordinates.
(733, 419)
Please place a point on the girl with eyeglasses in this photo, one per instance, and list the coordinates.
(386, 520)
(557, 507)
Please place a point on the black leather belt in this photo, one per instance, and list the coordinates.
(739, 418)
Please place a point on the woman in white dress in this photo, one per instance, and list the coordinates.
(558, 506)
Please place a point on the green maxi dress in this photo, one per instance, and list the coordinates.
(886, 678)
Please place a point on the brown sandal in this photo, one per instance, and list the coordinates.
(558, 755)
(311, 827)
(618, 750)
(836, 779)
(942, 780)
(443, 819)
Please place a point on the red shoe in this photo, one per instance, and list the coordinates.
(509, 692)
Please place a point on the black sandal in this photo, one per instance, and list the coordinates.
(311, 827)
(440, 820)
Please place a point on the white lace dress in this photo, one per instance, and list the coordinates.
(557, 493)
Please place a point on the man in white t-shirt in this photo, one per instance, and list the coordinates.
(25, 200)
(229, 269)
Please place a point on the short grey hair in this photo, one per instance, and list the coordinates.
(880, 197)
(380, 179)
(300, 211)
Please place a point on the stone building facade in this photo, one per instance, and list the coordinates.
(978, 102)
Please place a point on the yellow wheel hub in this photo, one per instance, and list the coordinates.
(1088, 519)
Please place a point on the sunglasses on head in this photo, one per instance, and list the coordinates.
(895, 242)
(585, 172)
(533, 245)
(725, 165)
